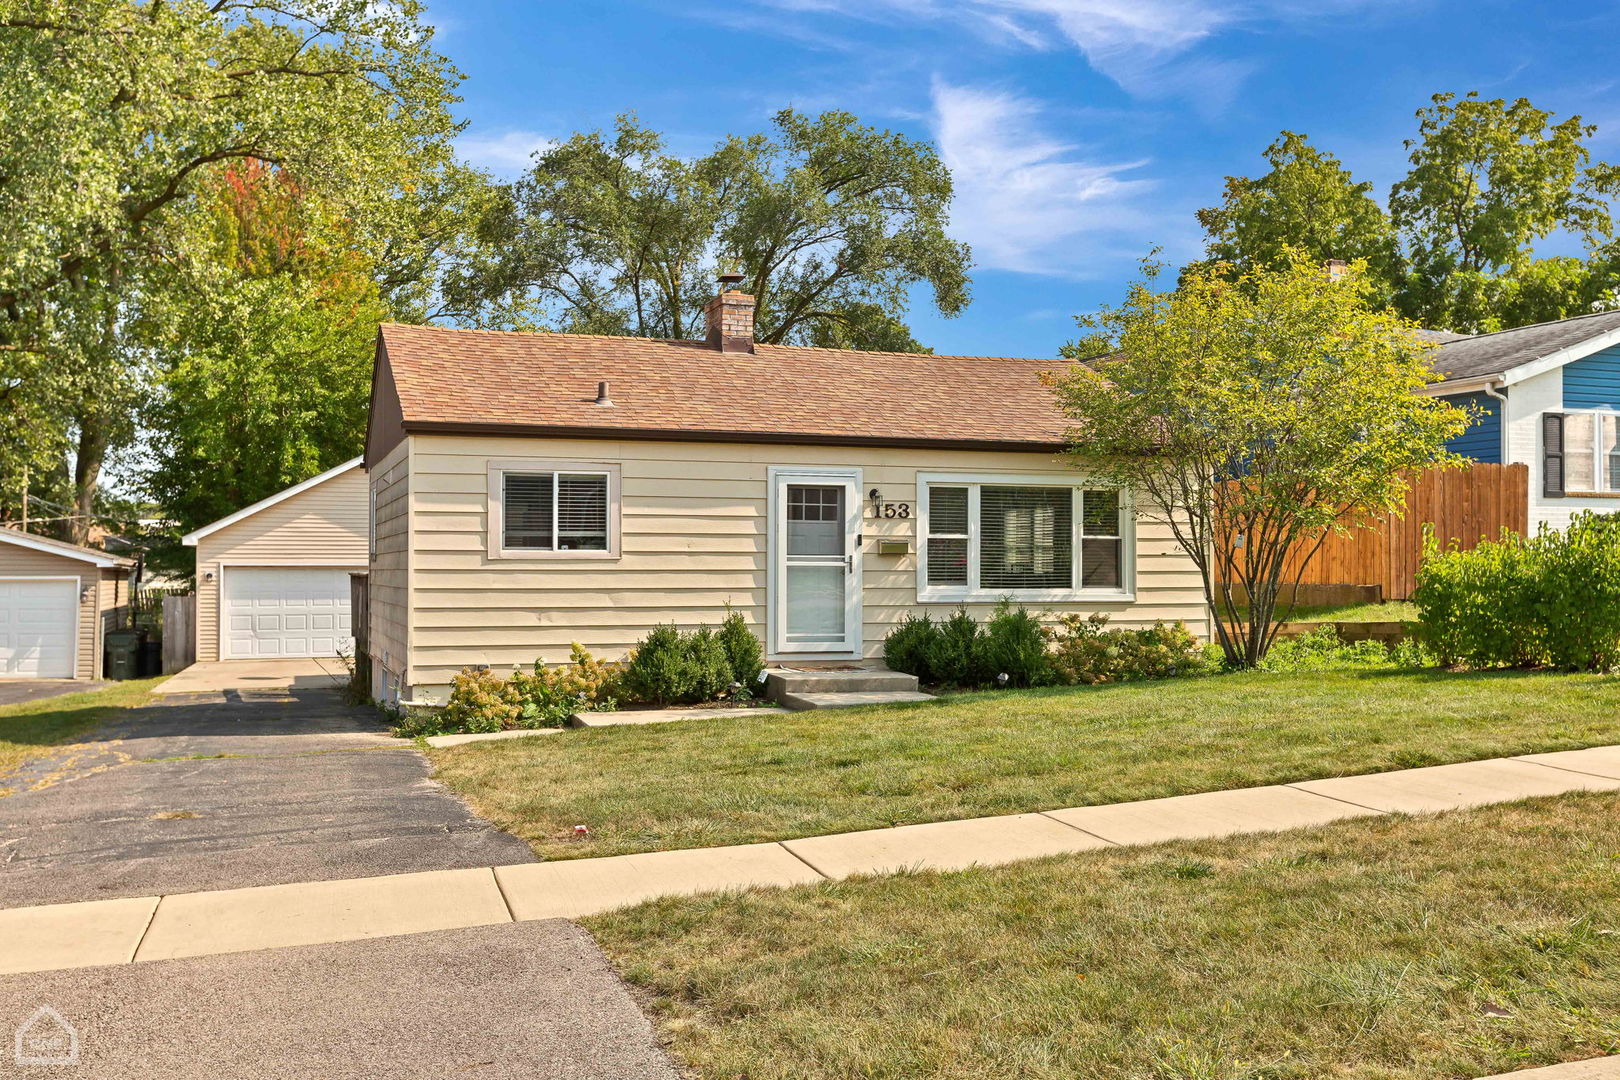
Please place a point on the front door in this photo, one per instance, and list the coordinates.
(815, 552)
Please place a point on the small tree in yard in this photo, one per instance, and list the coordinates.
(1254, 413)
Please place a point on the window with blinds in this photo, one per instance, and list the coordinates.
(1001, 539)
(1026, 538)
(947, 535)
(554, 511)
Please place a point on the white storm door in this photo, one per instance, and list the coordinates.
(816, 520)
(39, 621)
(286, 611)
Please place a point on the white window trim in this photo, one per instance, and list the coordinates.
(777, 478)
(496, 532)
(960, 594)
(1599, 472)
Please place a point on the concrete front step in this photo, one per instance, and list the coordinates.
(781, 682)
(850, 699)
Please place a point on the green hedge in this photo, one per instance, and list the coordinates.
(1551, 600)
(1013, 643)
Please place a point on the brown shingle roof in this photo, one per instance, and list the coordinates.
(546, 383)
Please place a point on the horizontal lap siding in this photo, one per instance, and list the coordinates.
(390, 568)
(24, 563)
(693, 519)
(324, 526)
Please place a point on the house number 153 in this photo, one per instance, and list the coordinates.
(891, 510)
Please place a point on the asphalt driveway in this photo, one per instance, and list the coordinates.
(229, 790)
(532, 1000)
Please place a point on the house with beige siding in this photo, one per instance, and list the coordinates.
(529, 491)
(57, 601)
(273, 578)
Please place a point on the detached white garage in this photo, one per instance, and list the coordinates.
(55, 600)
(273, 578)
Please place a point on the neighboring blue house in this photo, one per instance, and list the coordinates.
(1549, 395)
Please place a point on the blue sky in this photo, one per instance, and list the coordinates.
(1081, 133)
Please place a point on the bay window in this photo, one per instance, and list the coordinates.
(985, 537)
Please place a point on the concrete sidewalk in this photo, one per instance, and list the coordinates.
(280, 916)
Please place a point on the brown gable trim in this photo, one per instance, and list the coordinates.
(561, 431)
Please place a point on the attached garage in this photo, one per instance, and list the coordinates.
(273, 578)
(56, 601)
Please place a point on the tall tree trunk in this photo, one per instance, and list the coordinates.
(92, 452)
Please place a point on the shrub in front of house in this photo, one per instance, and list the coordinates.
(1550, 600)
(548, 696)
(954, 651)
(906, 647)
(482, 701)
(1085, 650)
(1013, 644)
(742, 648)
(672, 668)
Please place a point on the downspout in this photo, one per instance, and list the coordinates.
(1502, 425)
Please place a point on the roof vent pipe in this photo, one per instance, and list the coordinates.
(602, 395)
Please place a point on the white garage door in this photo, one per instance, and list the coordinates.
(38, 621)
(286, 611)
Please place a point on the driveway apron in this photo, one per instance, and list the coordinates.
(227, 790)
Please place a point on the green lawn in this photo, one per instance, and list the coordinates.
(743, 779)
(1387, 611)
(29, 729)
(1396, 949)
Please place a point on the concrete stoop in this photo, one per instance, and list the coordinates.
(826, 689)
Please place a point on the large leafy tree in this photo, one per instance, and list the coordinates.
(1254, 412)
(1307, 202)
(832, 222)
(115, 117)
(267, 355)
(1488, 180)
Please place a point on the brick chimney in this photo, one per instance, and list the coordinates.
(729, 318)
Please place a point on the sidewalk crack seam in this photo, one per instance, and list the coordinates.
(147, 929)
(510, 914)
(825, 876)
(1078, 829)
(1561, 768)
(1335, 798)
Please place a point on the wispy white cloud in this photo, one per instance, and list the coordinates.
(1027, 201)
(1130, 41)
(504, 152)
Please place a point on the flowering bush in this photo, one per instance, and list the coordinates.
(481, 701)
(548, 696)
(1084, 650)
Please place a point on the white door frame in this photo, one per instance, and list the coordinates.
(779, 477)
(263, 564)
(78, 609)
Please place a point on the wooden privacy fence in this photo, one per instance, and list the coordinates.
(1464, 505)
(179, 631)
